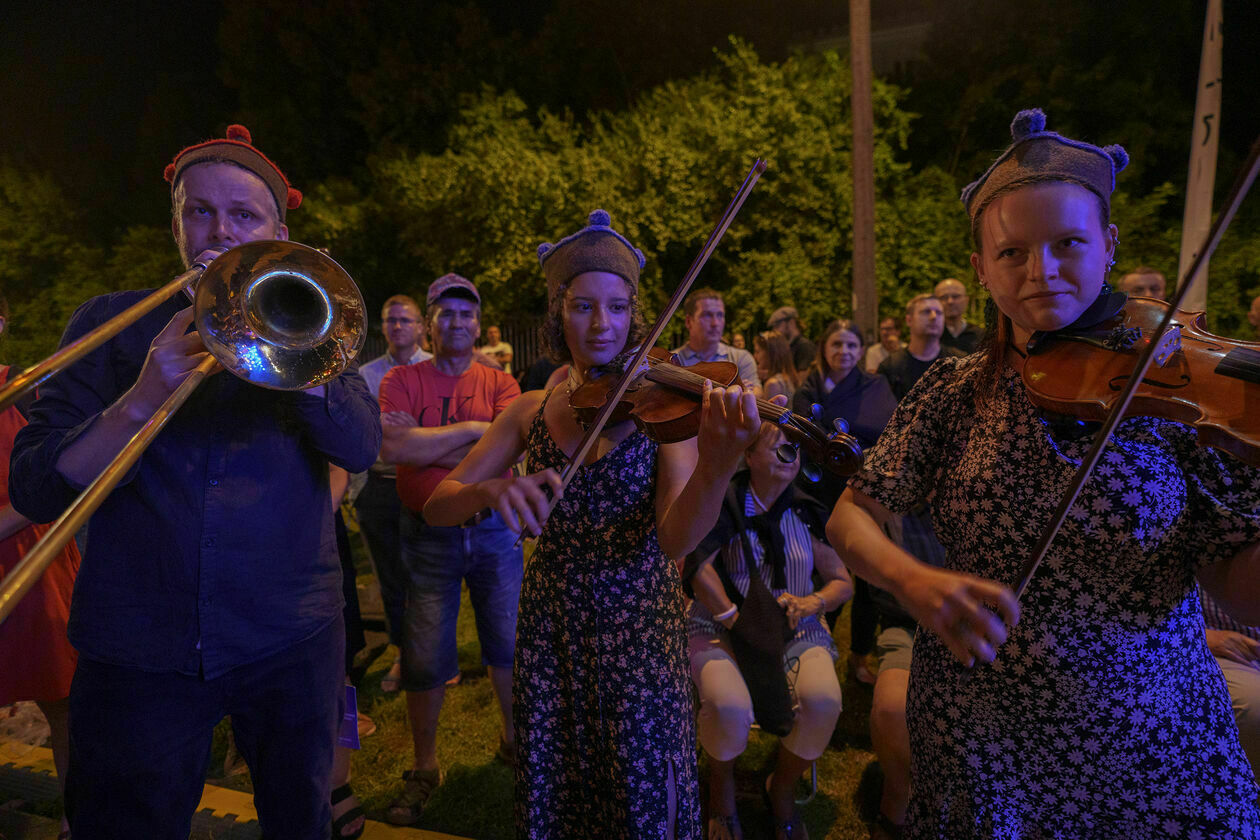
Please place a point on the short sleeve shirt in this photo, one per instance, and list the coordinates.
(724, 353)
(435, 399)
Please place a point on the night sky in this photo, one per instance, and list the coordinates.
(102, 94)
(81, 85)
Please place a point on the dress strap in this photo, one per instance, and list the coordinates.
(546, 397)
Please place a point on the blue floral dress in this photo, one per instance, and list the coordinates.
(602, 699)
(1104, 714)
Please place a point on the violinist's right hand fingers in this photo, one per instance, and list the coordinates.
(953, 606)
(523, 503)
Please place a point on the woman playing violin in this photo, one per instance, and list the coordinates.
(605, 731)
(1102, 713)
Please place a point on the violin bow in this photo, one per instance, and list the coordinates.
(662, 320)
(1236, 194)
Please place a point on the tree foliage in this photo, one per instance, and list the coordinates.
(665, 168)
(47, 269)
(452, 138)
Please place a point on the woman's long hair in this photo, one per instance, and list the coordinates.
(838, 325)
(778, 357)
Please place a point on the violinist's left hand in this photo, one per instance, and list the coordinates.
(728, 424)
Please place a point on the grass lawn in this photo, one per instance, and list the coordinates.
(476, 799)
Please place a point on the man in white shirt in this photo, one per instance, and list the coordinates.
(705, 314)
(498, 349)
(889, 343)
(377, 501)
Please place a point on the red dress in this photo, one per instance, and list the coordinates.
(36, 659)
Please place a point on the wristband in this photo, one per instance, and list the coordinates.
(723, 616)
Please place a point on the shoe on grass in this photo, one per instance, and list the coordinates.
(725, 827)
(418, 787)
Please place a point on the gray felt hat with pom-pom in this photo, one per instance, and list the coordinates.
(1040, 155)
(596, 247)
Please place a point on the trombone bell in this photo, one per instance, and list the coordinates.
(280, 314)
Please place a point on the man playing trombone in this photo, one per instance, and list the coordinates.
(211, 584)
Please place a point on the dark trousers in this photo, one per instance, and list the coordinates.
(864, 618)
(379, 513)
(140, 742)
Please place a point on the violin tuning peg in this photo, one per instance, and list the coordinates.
(810, 470)
(841, 425)
(815, 413)
(786, 452)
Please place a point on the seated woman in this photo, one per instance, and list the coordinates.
(770, 519)
(775, 368)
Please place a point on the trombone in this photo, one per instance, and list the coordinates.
(275, 313)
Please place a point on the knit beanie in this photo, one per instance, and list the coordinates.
(237, 148)
(596, 247)
(1040, 155)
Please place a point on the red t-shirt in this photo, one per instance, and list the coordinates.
(435, 399)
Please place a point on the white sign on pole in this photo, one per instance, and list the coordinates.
(1203, 144)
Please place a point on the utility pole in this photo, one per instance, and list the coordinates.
(865, 299)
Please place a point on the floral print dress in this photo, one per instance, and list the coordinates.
(1104, 714)
(602, 698)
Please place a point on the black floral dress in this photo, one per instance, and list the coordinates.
(602, 702)
(1104, 714)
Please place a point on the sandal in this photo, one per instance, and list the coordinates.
(354, 812)
(418, 787)
(725, 828)
(793, 829)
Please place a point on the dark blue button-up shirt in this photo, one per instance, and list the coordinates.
(218, 548)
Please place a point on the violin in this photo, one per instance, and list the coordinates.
(665, 403)
(1197, 378)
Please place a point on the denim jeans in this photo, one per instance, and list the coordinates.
(438, 561)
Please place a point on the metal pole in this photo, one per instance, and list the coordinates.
(865, 298)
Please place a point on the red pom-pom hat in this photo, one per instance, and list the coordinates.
(237, 147)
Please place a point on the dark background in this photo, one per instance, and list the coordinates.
(102, 95)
